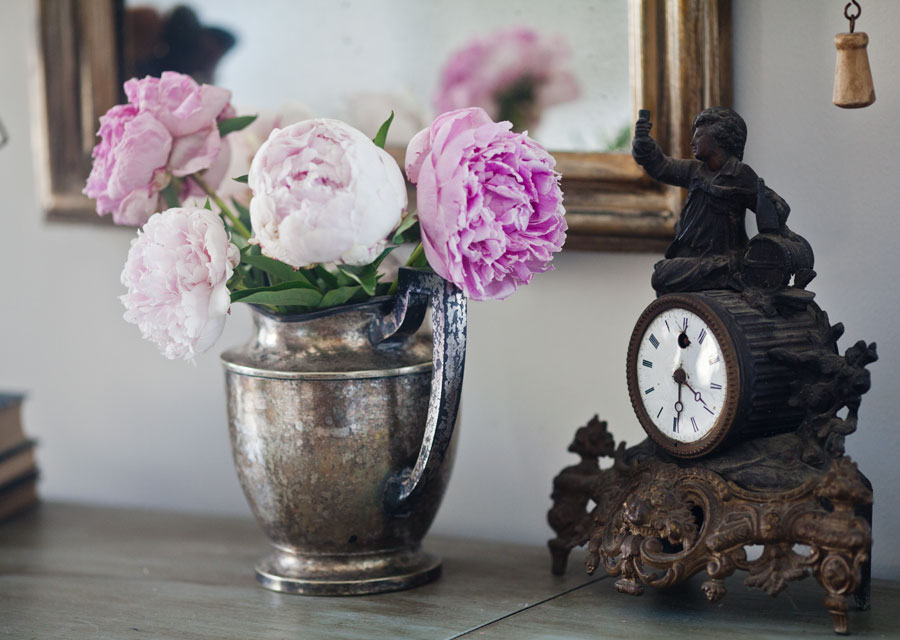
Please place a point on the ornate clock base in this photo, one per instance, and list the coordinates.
(657, 520)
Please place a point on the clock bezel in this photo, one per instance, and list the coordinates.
(733, 387)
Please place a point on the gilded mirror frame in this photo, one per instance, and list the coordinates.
(680, 63)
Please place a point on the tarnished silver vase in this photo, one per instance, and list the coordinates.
(341, 425)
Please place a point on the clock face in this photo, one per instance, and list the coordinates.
(681, 375)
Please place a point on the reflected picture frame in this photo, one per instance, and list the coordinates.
(680, 63)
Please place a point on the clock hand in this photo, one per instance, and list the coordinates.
(697, 395)
(679, 377)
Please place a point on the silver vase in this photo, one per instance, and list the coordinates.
(341, 425)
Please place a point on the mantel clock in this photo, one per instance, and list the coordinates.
(734, 373)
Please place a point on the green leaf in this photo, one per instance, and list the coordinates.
(326, 279)
(234, 124)
(239, 241)
(287, 293)
(381, 136)
(207, 206)
(283, 272)
(290, 297)
(338, 296)
(408, 231)
(365, 276)
(421, 262)
(242, 179)
(383, 288)
(384, 254)
(243, 213)
(169, 195)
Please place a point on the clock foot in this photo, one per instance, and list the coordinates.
(629, 586)
(559, 556)
(714, 589)
(837, 607)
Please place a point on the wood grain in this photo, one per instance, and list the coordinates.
(598, 611)
(73, 572)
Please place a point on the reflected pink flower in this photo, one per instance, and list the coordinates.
(511, 73)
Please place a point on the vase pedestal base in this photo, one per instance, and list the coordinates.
(345, 574)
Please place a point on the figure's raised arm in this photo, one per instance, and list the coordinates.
(648, 154)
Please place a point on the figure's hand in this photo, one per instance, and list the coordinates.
(642, 128)
(642, 143)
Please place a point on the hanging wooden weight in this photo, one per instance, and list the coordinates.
(853, 86)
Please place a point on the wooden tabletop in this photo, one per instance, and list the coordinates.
(73, 571)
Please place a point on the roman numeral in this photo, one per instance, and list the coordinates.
(694, 424)
(675, 424)
(668, 328)
(710, 411)
(654, 341)
(684, 325)
(702, 335)
(649, 390)
(715, 385)
(660, 412)
(647, 364)
(714, 360)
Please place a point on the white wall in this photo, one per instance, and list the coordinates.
(119, 424)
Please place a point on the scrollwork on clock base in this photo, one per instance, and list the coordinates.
(657, 521)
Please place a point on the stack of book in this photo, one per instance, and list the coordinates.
(18, 467)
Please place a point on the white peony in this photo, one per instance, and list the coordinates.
(176, 274)
(323, 192)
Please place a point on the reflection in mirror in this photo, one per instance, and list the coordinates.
(562, 75)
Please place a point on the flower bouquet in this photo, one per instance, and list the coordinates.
(340, 411)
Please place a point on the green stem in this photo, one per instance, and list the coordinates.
(414, 257)
(235, 222)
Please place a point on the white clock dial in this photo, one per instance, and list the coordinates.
(681, 374)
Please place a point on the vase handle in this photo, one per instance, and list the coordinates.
(415, 289)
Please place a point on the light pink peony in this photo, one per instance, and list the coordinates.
(169, 128)
(189, 111)
(129, 165)
(176, 275)
(323, 192)
(489, 203)
(242, 146)
(481, 72)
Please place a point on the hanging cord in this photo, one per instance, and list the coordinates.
(852, 18)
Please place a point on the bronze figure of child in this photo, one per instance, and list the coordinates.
(710, 237)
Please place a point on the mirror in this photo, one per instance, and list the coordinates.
(561, 75)
(609, 59)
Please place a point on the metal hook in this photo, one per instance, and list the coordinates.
(852, 19)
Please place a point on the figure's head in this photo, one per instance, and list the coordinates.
(726, 127)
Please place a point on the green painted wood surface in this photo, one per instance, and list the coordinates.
(72, 572)
(599, 611)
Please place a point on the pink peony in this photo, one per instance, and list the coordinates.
(511, 70)
(168, 128)
(129, 165)
(176, 274)
(323, 192)
(244, 144)
(189, 111)
(489, 203)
